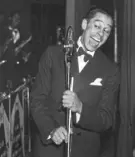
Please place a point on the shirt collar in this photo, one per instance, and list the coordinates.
(79, 43)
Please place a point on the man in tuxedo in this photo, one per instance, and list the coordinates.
(92, 99)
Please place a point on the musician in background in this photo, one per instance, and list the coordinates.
(92, 101)
(16, 51)
(12, 33)
(10, 38)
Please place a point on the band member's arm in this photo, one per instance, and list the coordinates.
(101, 117)
(41, 101)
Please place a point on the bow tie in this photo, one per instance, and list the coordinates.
(86, 55)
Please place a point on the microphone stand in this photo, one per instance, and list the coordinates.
(69, 86)
(69, 48)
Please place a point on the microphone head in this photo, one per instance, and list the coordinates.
(70, 36)
(69, 41)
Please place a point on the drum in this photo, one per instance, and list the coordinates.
(19, 121)
(15, 138)
(5, 127)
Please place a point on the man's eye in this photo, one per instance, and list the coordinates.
(107, 31)
(96, 26)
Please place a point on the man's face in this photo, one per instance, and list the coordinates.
(96, 31)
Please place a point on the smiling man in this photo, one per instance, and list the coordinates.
(96, 30)
(92, 100)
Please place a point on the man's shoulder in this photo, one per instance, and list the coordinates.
(52, 51)
(54, 48)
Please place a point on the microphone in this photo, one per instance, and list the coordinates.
(69, 42)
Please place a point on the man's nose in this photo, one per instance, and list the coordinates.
(101, 33)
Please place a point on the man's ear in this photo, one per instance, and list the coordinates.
(84, 24)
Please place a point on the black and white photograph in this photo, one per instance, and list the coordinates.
(67, 78)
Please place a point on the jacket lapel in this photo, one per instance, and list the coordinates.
(88, 74)
(74, 66)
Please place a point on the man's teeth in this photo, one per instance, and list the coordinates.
(96, 39)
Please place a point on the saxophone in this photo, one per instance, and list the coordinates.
(18, 48)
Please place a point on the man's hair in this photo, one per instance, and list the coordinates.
(92, 12)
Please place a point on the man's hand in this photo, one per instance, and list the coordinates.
(59, 135)
(71, 101)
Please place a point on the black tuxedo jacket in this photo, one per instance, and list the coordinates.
(96, 86)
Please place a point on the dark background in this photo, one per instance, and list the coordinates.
(41, 17)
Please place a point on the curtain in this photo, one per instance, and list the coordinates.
(126, 40)
(81, 10)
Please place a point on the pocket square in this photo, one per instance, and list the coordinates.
(97, 82)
